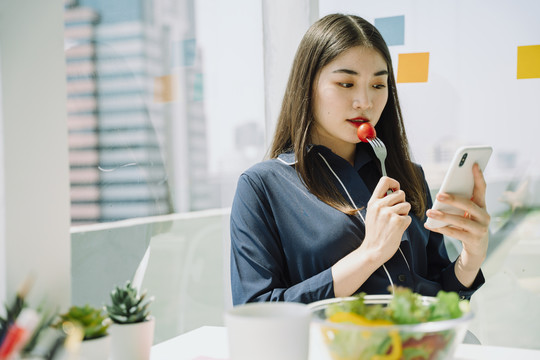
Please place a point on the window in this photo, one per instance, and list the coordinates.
(165, 104)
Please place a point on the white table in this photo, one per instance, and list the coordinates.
(210, 343)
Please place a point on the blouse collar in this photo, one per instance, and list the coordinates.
(363, 155)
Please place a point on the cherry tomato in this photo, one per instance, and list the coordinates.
(366, 131)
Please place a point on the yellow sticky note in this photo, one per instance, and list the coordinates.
(528, 62)
(413, 67)
(166, 88)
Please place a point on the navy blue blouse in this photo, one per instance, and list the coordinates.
(284, 240)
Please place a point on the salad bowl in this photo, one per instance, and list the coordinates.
(363, 328)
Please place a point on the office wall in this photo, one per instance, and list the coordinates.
(35, 183)
(2, 211)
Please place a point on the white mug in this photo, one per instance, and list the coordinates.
(268, 331)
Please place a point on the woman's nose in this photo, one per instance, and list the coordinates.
(362, 100)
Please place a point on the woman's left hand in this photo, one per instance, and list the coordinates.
(472, 229)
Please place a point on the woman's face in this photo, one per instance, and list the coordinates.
(351, 89)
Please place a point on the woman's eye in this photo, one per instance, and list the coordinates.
(346, 85)
(379, 86)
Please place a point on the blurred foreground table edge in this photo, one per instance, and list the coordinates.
(210, 343)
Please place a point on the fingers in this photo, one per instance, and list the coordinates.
(393, 203)
(454, 232)
(385, 183)
(473, 210)
(391, 209)
(465, 228)
(458, 221)
(402, 208)
(402, 222)
(396, 217)
(473, 235)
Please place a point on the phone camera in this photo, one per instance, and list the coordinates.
(463, 158)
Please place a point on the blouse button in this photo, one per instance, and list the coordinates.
(402, 278)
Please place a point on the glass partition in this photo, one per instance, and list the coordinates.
(181, 260)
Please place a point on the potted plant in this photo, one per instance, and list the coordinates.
(132, 327)
(93, 327)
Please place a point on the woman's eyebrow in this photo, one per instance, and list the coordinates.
(345, 71)
(352, 72)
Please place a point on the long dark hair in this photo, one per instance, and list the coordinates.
(323, 42)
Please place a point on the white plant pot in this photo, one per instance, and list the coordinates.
(132, 341)
(95, 349)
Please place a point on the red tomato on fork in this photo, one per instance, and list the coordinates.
(366, 131)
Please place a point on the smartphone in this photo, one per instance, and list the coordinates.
(459, 178)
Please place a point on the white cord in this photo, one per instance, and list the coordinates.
(344, 188)
(389, 278)
(404, 258)
(353, 204)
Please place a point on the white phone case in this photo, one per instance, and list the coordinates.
(459, 178)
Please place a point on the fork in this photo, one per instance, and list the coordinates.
(380, 151)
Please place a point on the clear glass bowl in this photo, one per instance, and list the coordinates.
(434, 340)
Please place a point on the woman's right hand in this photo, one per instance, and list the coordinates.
(387, 217)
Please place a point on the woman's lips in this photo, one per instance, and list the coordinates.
(358, 121)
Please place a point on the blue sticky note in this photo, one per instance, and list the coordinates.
(392, 29)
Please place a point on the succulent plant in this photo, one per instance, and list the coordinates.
(127, 305)
(91, 320)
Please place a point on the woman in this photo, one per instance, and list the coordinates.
(314, 221)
